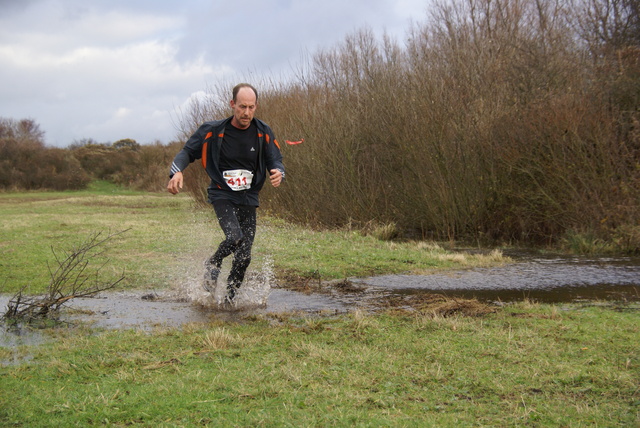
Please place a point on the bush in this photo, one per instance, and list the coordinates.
(26, 164)
(496, 122)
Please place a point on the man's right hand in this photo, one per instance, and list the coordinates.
(175, 184)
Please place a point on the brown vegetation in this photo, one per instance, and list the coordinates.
(495, 120)
(127, 163)
(498, 120)
(25, 162)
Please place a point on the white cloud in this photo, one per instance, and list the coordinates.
(112, 69)
(122, 112)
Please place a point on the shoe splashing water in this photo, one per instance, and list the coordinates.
(252, 292)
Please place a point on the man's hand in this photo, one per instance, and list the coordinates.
(275, 177)
(175, 184)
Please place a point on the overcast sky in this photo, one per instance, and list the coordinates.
(113, 69)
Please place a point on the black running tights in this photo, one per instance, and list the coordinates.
(238, 222)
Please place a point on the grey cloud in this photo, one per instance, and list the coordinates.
(111, 69)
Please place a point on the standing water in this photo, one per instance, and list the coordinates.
(545, 279)
(541, 278)
(253, 293)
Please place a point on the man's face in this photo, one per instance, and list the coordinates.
(244, 107)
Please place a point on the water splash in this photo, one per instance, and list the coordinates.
(256, 287)
(254, 291)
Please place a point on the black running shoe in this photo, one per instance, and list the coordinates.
(231, 293)
(209, 286)
(211, 274)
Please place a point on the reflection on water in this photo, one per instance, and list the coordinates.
(147, 310)
(545, 279)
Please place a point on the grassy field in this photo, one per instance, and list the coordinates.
(166, 239)
(525, 364)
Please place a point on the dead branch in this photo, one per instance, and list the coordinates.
(73, 277)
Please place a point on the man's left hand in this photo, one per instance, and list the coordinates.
(275, 177)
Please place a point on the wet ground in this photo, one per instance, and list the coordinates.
(548, 279)
(544, 279)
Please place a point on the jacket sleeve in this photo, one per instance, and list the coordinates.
(273, 156)
(191, 151)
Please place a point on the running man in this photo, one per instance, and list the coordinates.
(238, 153)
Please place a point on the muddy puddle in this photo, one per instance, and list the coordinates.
(549, 279)
(544, 279)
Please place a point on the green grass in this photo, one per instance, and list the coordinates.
(34, 224)
(521, 365)
(525, 365)
(167, 239)
(345, 253)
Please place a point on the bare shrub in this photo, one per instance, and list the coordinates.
(74, 277)
(27, 164)
(497, 120)
(145, 168)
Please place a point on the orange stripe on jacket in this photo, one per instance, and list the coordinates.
(274, 140)
(203, 159)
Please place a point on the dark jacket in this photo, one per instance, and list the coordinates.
(205, 144)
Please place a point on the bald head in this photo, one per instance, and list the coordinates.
(243, 104)
(239, 86)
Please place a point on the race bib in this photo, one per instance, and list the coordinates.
(238, 179)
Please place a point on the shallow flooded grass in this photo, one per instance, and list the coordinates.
(525, 364)
(167, 240)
